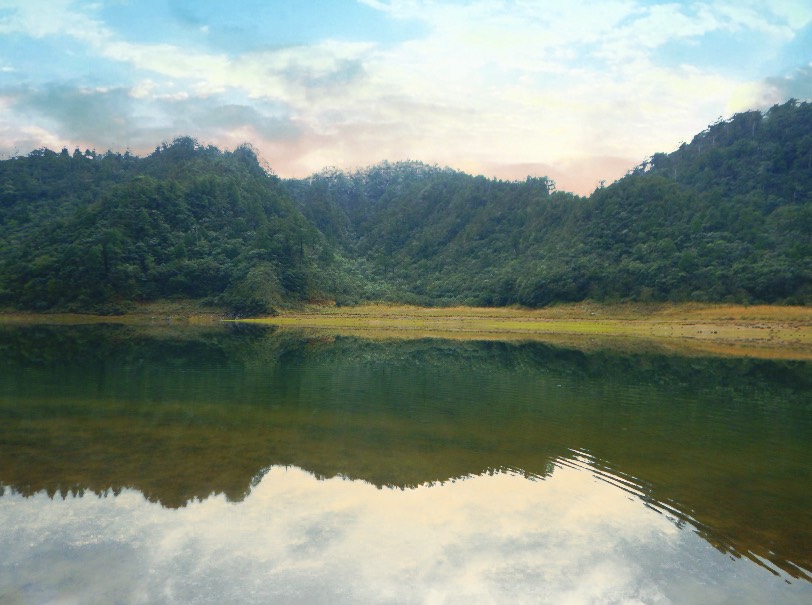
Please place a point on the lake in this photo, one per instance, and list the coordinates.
(247, 464)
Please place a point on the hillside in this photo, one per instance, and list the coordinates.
(90, 232)
(726, 217)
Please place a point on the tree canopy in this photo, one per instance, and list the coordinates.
(726, 217)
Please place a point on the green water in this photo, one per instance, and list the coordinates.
(247, 465)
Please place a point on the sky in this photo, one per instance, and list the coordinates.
(576, 90)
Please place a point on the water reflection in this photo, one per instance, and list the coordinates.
(494, 538)
(720, 445)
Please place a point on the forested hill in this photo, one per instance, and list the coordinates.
(727, 217)
(90, 232)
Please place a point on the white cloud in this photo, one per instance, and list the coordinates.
(543, 86)
(40, 18)
(490, 83)
(795, 13)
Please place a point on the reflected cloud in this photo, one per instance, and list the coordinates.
(493, 538)
(714, 444)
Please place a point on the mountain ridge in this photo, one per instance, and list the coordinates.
(724, 218)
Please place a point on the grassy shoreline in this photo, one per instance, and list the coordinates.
(761, 331)
(756, 331)
(176, 312)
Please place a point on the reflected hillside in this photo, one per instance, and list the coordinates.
(722, 442)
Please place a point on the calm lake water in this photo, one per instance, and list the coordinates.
(249, 465)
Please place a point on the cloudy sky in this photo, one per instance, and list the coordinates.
(577, 90)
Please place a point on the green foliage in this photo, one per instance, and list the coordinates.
(727, 217)
(87, 232)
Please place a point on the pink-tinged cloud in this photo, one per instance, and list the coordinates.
(574, 90)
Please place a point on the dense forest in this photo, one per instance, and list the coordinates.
(726, 217)
(84, 231)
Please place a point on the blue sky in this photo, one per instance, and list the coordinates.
(576, 90)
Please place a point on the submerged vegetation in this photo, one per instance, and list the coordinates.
(725, 218)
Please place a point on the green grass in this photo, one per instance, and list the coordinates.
(764, 331)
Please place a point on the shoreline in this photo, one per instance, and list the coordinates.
(762, 331)
(730, 330)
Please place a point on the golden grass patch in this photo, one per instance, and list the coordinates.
(763, 331)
